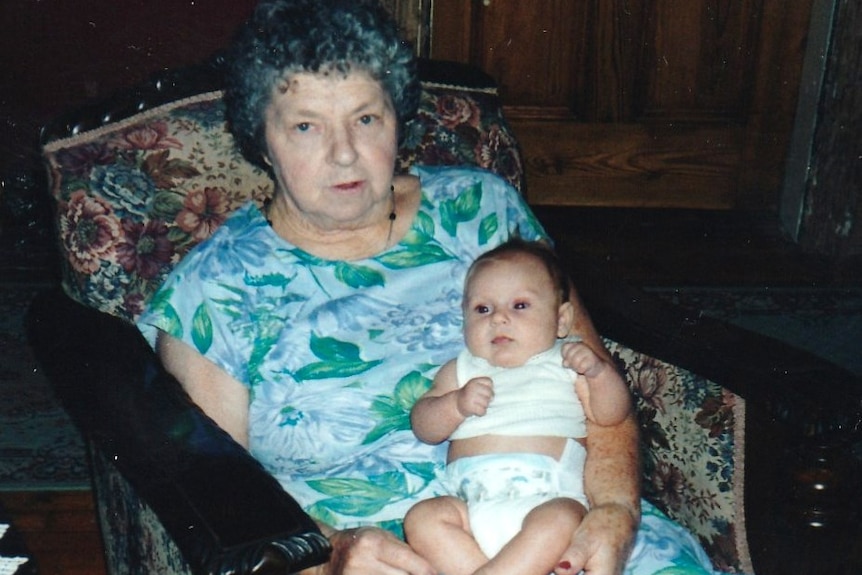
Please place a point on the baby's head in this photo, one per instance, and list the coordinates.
(516, 303)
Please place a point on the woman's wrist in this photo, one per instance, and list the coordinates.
(631, 511)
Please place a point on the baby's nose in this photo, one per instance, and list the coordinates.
(500, 316)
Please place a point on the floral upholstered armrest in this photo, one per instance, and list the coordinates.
(692, 452)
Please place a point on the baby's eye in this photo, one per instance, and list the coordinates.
(521, 305)
(481, 309)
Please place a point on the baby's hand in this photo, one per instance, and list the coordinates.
(475, 396)
(578, 356)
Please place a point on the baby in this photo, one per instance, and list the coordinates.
(514, 405)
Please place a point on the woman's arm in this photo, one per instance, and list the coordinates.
(602, 543)
(612, 472)
(613, 462)
(219, 395)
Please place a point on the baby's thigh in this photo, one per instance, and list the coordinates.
(438, 510)
(559, 515)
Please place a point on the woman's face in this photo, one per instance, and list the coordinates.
(332, 141)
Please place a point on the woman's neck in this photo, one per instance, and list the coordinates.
(351, 243)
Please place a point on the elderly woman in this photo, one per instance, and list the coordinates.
(307, 330)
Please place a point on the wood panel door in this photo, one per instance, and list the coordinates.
(640, 103)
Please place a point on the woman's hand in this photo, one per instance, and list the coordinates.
(372, 551)
(602, 543)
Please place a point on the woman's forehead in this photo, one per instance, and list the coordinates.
(322, 90)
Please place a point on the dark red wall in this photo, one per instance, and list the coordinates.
(56, 54)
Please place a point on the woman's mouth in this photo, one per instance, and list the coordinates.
(348, 186)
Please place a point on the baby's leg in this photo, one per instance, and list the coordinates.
(545, 534)
(438, 529)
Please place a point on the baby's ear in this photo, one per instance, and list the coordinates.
(565, 318)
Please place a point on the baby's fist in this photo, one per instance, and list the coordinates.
(579, 357)
(475, 396)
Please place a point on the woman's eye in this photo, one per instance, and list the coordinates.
(303, 127)
(366, 119)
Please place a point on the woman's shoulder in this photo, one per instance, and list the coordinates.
(441, 175)
(476, 201)
(439, 183)
(248, 217)
(247, 221)
(242, 239)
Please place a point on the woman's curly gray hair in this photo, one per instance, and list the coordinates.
(284, 37)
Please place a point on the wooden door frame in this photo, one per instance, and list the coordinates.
(821, 208)
(414, 21)
(793, 192)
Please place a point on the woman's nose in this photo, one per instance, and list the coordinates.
(342, 147)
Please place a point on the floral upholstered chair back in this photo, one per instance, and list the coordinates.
(134, 196)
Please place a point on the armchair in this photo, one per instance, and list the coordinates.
(139, 180)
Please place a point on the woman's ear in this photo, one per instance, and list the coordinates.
(565, 319)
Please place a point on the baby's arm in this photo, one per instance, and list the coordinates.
(445, 406)
(603, 392)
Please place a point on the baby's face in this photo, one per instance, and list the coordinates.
(511, 310)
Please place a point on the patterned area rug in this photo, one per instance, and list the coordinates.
(826, 322)
(39, 447)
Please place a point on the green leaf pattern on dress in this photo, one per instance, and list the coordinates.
(170, 319)
(357, 276)
(202, 329)
(337, 359)
(460, 209)
(392, 413)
